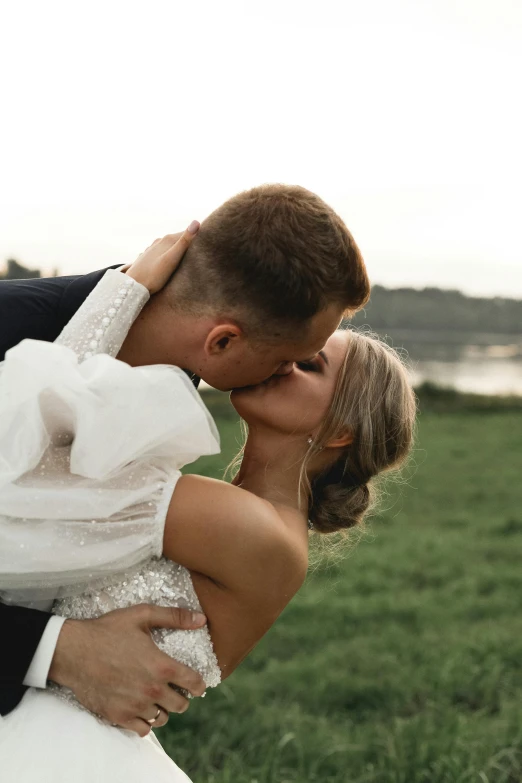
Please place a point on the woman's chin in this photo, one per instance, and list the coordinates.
(256, 389)
(247, 399)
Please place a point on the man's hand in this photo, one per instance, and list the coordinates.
(116, 671)
(156, 265)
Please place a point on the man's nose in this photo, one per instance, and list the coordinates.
(285, 368)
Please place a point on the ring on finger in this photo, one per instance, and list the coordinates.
(152, 721)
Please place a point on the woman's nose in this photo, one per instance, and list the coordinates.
(285, 368)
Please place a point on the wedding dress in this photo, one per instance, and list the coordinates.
(90, 452)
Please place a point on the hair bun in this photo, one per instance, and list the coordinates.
(339, 501)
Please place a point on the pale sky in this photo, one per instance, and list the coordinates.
(121, 122)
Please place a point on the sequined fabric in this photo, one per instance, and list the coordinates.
(159, 581)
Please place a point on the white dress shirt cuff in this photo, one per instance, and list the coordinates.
(38, 670)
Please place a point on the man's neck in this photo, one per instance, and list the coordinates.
(161, 335)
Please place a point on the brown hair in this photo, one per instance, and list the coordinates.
(375, 403)
(274, 255)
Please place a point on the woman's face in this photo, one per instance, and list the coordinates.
(296, 403)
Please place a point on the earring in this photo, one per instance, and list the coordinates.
(309, 441)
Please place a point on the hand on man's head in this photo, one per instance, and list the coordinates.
(155, 266)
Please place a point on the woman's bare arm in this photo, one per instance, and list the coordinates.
(245, 563)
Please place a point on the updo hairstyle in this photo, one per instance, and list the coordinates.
(374, 401)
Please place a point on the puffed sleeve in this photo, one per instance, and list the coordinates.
(90, 452)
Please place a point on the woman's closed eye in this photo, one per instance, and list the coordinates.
(311, 366)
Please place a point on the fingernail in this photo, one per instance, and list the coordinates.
(194, 227)
(198, 618)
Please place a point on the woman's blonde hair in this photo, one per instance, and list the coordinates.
(375, 403)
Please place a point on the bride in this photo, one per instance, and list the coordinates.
(91, 446)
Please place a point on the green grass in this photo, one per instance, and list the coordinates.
(400, 663)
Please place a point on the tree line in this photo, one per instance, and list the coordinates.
(439, 310)
(394, 309)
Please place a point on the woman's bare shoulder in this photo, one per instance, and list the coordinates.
(209, 517)
(210, 492)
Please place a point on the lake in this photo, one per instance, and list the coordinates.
(487, 364)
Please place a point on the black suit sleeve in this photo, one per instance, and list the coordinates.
(21, 630)
(40, 308)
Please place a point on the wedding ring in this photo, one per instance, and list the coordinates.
(153, 720)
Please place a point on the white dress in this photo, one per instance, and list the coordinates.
(90, 452)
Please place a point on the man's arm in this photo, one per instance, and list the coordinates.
(116, 670)
(111, 664)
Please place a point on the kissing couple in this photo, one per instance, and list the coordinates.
(126, 587)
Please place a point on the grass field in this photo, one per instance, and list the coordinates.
(402, 663)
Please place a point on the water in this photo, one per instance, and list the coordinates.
(491, 364)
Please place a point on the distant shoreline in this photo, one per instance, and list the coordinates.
(431, 397)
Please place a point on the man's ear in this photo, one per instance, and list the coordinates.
(221, 338)
(344, 439)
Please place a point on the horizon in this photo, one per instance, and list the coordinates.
(417, 289)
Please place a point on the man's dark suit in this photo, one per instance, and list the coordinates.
(38, 309)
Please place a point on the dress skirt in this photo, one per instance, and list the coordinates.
(47, 739)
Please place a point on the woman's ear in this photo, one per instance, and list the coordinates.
(344, 439)
(221, 338)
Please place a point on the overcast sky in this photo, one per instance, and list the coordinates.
(121, 122)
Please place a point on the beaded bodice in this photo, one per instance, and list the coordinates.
(158, 581)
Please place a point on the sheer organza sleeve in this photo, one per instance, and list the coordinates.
(90, 451)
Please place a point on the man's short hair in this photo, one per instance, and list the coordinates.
(274, 255)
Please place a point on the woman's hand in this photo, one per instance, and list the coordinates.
(155, 266)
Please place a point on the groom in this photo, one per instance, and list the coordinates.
(263, 285)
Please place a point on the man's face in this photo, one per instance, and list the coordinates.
(250, 362)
